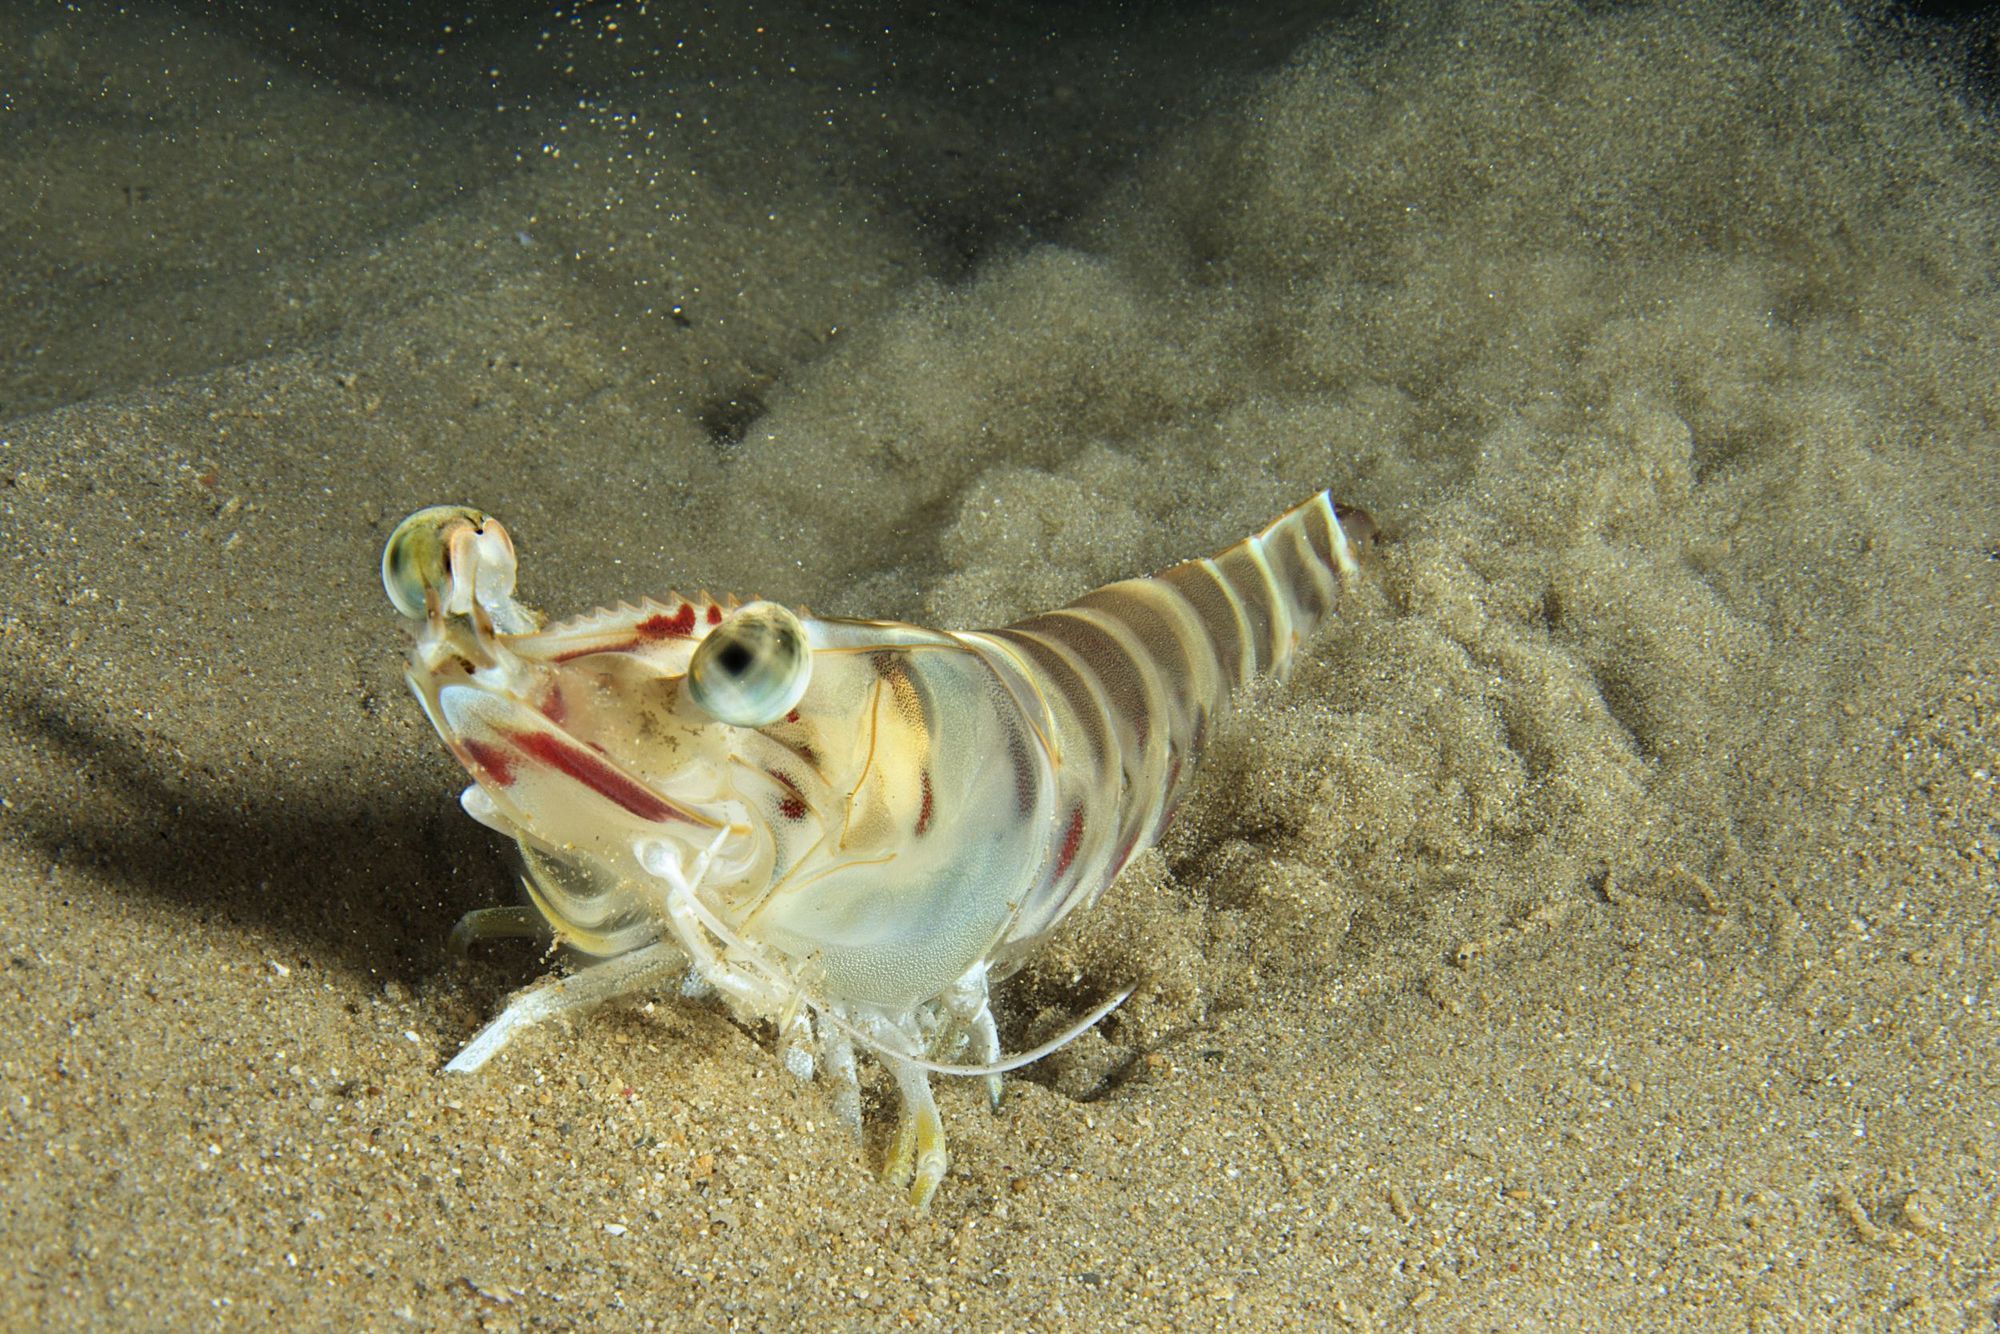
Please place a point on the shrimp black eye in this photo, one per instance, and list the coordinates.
(753, 668)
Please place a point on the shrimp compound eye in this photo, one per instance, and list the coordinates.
(753, 668)
(418, 557)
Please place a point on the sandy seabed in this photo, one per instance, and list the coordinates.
(1598, 930)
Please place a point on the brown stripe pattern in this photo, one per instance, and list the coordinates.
(1133, 674)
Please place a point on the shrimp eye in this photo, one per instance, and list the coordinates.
(418, 557)
(753, 668)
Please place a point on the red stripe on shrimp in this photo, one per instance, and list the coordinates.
(662, 626)
(1071, 842)
(598, 776)
(492, 761)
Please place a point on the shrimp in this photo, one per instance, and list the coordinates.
(850, 829)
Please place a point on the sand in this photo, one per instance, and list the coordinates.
(1598, 930)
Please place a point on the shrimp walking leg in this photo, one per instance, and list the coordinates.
(641, 970)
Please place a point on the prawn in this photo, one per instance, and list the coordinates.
(851, 829)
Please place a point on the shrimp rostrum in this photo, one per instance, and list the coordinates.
(848, 829)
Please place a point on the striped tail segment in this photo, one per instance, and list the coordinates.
(1133, 674)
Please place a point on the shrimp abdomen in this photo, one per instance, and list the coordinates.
(1133, 676)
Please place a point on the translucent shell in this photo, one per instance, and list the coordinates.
(753, 669)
